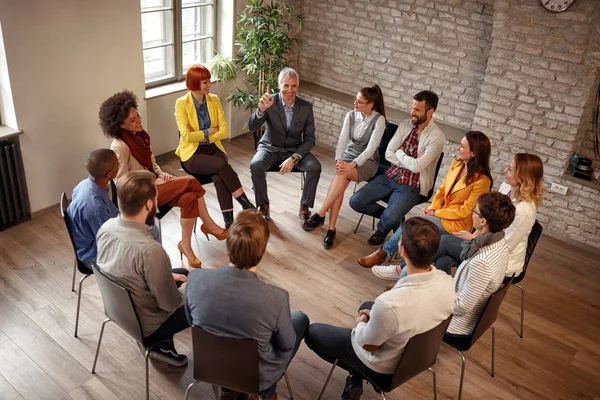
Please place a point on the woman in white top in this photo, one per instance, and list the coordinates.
(356, 156)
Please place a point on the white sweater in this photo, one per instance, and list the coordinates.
(416, 304)
(517, 234)
(476, 279)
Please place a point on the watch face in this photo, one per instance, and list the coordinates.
(556, 5)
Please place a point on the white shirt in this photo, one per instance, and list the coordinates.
(416, 304)
(517, 234)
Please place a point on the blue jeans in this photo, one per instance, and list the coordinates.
(401, 199)
(391, 246)
(449, 253)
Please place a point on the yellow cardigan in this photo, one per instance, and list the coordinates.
(453, 205)
(185, 114)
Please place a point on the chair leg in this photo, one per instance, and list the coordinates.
(355, 186)
(79, 303)
(159, 231)
(287, 382)
(493, 349)
(359, 221)
(74, 274)
(462, 375)
(195, 222)
(327, 380)
(146, 357)
(373, 224)
(187, 391)
(522, 308)
(302, 177)
(382, 396)
(216, 390)
(434, 383)
(99, 342)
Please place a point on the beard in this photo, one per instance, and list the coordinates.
(420, 120)
(151, 215)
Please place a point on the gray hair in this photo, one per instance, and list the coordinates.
(286, 73)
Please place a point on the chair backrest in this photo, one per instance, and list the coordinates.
(490, 312)
(64, 204)
(437, 171)
(534, 236)
(390, 130)
(118, 305)
(225, 361)
(419, 354)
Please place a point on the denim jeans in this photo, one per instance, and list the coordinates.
(449, 253)
(401, 199)
(391, 246)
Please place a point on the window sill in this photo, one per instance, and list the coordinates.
(165, 90)
(593, 184)
(7, 132)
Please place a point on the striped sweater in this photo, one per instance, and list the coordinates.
(475, 281)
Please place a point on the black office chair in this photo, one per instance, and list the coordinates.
(78, 264)
(119, 308)
(486, 320)
(424, 199)
(534, 236)
(419, 354)
(226, 362)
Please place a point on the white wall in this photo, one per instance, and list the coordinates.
(64, 58)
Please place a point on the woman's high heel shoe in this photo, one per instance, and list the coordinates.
(193, 262)
(222, 235)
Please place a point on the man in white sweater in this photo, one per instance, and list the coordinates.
(417, 303)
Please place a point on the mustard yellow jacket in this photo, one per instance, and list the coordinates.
(185, 114)
(453, 205)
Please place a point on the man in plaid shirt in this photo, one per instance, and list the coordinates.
(413, 152)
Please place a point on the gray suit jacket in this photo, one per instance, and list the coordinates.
(235, 303)
(301, 137)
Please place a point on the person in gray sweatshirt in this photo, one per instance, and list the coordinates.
(232, 301)
(416, 304)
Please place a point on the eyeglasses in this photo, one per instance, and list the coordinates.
(360, 102)
(476, 212)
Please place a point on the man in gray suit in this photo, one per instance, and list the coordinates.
(288, 138)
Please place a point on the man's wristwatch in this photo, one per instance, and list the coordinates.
(296, 159)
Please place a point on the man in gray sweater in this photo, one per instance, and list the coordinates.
(232, 301)
(416, 304)
(128, 254)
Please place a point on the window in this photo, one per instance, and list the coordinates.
(175, 35)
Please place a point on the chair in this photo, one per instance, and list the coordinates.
(226, 362)
(383, 168)
(119, 308)
(78, 264)
(534, 236)
(486, 320)
(419, 354)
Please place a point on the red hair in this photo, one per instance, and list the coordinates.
(195, 75)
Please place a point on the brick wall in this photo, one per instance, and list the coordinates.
(527, 75)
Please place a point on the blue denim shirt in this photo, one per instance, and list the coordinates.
(203, 118)
(90, 208)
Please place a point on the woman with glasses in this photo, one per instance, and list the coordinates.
(356, 156)
(468, 178)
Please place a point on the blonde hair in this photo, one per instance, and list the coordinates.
(529, 171)
(247, 239)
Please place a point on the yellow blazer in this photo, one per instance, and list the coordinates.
(453, 205)
(185, 114)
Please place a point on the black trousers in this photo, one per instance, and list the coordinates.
(164, 334)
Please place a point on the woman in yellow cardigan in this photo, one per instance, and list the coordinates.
(469, 177)
(202, 126)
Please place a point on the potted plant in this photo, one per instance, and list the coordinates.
(221, 68)
(265, 40)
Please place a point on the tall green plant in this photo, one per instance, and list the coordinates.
(265, 42)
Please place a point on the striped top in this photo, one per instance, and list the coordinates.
(475, 281)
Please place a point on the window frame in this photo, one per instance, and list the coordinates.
(177, 13)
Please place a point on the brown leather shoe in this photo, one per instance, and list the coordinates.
(376, 258)
(266, 211)
(260, 398)
(303, 213)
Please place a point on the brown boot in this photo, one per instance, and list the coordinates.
(376, 258)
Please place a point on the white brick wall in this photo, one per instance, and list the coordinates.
(520, 74)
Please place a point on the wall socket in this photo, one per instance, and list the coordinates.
(560, 189)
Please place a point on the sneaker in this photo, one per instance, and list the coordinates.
(313, 222)
(377, 239)
(387, 272)
(169, 356)
(353, 389)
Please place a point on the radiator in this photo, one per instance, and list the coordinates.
(14, 200)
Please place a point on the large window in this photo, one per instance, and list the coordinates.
(175, 35)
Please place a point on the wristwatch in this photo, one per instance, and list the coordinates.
(296, 159)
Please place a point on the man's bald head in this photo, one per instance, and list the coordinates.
(99, 163)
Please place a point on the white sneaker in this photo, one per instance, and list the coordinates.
(387, 272)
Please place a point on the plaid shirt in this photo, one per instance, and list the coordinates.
(406, 176)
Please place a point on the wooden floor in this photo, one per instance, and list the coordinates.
(559, 358)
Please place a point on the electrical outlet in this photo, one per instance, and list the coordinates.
(560, 189)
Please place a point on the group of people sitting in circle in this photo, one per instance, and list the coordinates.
(482, 232)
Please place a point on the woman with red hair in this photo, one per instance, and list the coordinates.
(202, 126)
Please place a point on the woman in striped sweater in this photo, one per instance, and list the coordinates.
(485, 261)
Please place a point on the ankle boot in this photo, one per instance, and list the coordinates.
(243, 200)
(228, 218)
